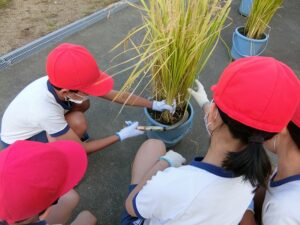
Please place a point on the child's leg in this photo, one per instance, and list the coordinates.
(85, 218)
(145, 158)
(147, 155)
(77, 121)
(61, 212)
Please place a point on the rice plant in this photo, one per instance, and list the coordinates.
(3, 3)
(260, 16)
(179, 38)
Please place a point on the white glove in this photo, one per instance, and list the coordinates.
(129, 131)
(162, 105)
(174, 159)
(200, 95)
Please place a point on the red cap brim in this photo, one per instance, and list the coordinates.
(101, 87)
(77, 163)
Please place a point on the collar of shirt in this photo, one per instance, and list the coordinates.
(283, 181)
(65, 104)
(219, 171)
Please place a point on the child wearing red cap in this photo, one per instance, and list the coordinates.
(281, 198)
(254, 99)
(37, 181)
(281, 204)
(52, 108)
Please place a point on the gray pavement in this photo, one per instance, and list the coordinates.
(104, 188)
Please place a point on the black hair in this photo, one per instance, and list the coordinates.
(252, 162)
(58, 88)
(294, 131)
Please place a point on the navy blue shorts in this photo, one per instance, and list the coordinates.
(127, 219)
(40, 137)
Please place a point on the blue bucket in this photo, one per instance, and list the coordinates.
(170, 137)
(243, 46)
(245, 7)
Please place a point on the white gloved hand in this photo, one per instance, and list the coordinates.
(200, 95)
(129, 131)
(162, 105)
(174, 159)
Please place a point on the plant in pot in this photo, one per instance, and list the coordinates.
(178, 37)
(252, 39)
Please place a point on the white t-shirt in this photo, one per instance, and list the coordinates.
(35, 109)
(282, 202)
(196, 194)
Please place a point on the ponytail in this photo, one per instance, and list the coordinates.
(252, 162)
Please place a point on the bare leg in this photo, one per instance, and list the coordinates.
(76, 120)
(146, 157)
(85, 218)
(61, 212)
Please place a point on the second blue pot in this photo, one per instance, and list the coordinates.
(245, 7)
(170, 137)
(243, 46)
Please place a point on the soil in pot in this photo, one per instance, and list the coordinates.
(176, 117)
(243, 31)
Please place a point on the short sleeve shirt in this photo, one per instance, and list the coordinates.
(35, 109)
(195, 194)
(282, 202)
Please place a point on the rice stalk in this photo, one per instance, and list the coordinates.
(179, 37)
(3, 3)
(260, 16)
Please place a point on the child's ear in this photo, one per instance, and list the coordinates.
(214, 115)
(285, 131)
(213, 107)
(64, 92)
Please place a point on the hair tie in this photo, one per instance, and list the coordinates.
(256, 139)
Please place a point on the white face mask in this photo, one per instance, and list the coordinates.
(77, 101)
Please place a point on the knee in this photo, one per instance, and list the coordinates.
(156, 145)
(84, 106)
(88, 217)
(77, 121)
(71, 198)
(81, 121)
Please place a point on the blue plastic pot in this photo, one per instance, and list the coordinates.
(170, 137)
(243, 46)
(245, 7)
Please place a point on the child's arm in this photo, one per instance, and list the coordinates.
(248, 218)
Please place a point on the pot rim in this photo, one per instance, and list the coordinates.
(191, 114)
(250, 39)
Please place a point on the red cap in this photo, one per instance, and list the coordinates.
(296, 117)
(260, 92)
(73, 67)
(33, 175)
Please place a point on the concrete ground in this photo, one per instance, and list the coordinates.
(104, 188)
